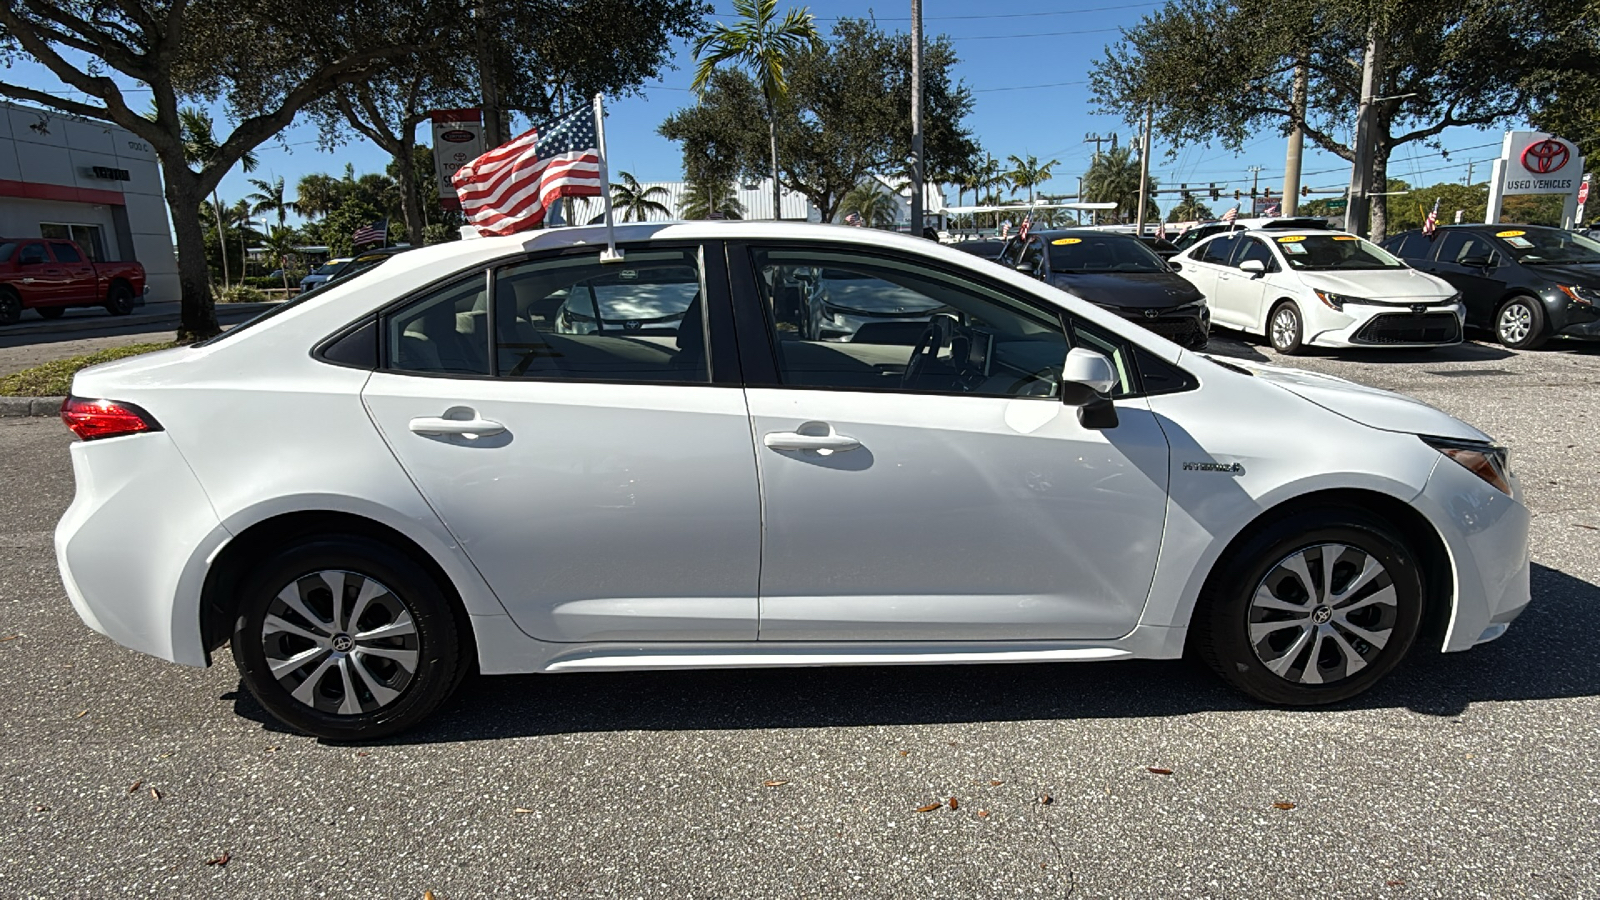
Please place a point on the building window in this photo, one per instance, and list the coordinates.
(87, 236)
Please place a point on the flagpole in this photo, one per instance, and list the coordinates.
(611, 253)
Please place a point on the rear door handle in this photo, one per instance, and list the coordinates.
(793, 440)
(473, 427)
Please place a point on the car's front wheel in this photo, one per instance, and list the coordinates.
(1312, 610)
(1285, 329)
(1520, 324)
(346, 639)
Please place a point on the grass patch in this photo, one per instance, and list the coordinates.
(53, 379)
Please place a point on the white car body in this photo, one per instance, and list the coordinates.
(1398, 296)
(638, 526)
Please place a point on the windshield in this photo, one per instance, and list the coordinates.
(1540, 246)
(330, 268)
(1076, 255)
(1334, 252)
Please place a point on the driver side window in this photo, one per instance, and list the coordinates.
(843, 321)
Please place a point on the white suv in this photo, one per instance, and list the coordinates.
(1323, 288)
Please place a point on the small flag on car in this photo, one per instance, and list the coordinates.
(377, 231)
(1273, 210)
(1027, 223)
(853, 219)
(1161, 230)
(509, 188)
(1231, 214)
(1431, 223)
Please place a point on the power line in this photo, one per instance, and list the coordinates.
(1033, 34)
(1026, 15)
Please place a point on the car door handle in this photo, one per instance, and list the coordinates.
(793, 440)
(474, 427)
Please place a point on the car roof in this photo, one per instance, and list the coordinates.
(1081, 233)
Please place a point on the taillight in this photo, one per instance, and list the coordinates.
(91, 419)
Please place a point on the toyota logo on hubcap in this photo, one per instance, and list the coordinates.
(343, 643)
(1322, 614)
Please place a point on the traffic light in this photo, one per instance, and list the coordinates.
(1237, 193)
(1305, 191)
(1252, 193)
(1184, 191)
(1215, 193)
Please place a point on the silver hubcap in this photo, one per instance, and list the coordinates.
(340, 643)
(1285, 325)
(1322, 614)
(1516, 321)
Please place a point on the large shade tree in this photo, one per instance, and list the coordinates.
(762, 45)
(1225, 70)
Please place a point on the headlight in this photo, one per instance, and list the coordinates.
(1337, 301)
(1491, 463)
(1451, 300)
(1579, 294)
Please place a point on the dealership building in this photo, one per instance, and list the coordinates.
(93, 182)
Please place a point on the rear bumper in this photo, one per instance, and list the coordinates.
(134, 545)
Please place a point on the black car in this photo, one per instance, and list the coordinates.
(1163, 247)
(988, 248)
(1526, 283)
(1119, 273)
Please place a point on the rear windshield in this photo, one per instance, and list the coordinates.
(1080, 254)
(1330, 252)
(1543, 246)
(331, 268)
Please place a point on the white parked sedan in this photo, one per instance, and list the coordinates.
(1322, 288)
(428, 466)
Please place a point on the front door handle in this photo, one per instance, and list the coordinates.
(793, 440)
(473, 427)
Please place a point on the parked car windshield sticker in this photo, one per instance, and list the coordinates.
(1062, 242)
(1291, 239)
(1293, 248)
(1516, 240)
(1509, 234)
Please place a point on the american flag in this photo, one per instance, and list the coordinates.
(1273, 210)
(1231, 214)
(1027, 223)
(377, 231)
(853, 219)
(1431, 223)
(1161, 229)
(508, 189)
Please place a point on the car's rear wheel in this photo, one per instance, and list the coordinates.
(346, 639)
(51, 312)
(119, 299)
(1520, 324)
(10, 307)
(1285, 329)
(1312, 610)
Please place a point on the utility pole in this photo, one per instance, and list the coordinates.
(1358, 211)
(1297, 143)
(917, 191)
(1077, 214)
(1097, 140)
(1470, 164)
(1255, 179)
(1144, 174)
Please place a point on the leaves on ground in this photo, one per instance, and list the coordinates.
(135, 786)
(954, 803)
(522, 810)
(81, 715)
(1283, 804)
(9, 637)
(155, 794)
(996, 783)
(930, 807)
(983, 814)
(1046, 800)
(1156, 770)
(1395, 883)
(220, 861)
(774, 783)
(905, 752)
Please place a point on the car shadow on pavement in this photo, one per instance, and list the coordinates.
(1238, 346)
(1549, 653)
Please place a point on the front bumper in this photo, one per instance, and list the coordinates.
(1577, 320)
(134, 545)
(1188, 325)
(1374, 325)
(1486, 537)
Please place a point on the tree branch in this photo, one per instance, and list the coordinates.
(101, 88)
(70, 107)
(88, 39)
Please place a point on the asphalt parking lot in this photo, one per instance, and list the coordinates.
(1472, 775)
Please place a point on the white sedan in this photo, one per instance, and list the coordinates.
(1322, 288)
(429, 466)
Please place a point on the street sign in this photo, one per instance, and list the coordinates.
(1338, 204)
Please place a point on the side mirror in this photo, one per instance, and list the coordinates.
(1253, 266)
(1476, 262)
(1173, 265)
(1086, 378)
(1025, 266)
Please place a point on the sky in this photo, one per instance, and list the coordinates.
(1027, 65)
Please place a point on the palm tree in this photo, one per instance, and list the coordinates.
(199, 146)
(318, 194)
(280, 243)
(875, 207)
(1027, 173)
(1190, 209)
(704, 198)
(269, 198)
(985, 176)
(636, 201)
(760, 44)
(1113, 177)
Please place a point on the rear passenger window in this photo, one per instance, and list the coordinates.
(577, 318)
(32, 255)
(444, 332)
(1218, 250)
(65, 253)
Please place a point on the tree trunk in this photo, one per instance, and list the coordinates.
(222, 237)
(410, 206)
(772, 139)
(1379, 216)
(198, 314)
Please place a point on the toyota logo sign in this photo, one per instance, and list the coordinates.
(457, 136)
(1546, 156)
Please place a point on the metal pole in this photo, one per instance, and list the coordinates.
(916, 117)
(488, 85)
(1077, 214)
(1144, 175)
(611, 253)
(1358, 211)
(1297, 144)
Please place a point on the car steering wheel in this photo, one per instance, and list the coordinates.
(941, 329)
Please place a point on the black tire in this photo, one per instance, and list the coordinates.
(1519, 323)
(10, 307)
(119, 299)
(1288, 339)
(430, 640)
(1230, 610)
(50, 312)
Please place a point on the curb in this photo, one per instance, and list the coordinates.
(135, 320)
(20, 407)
